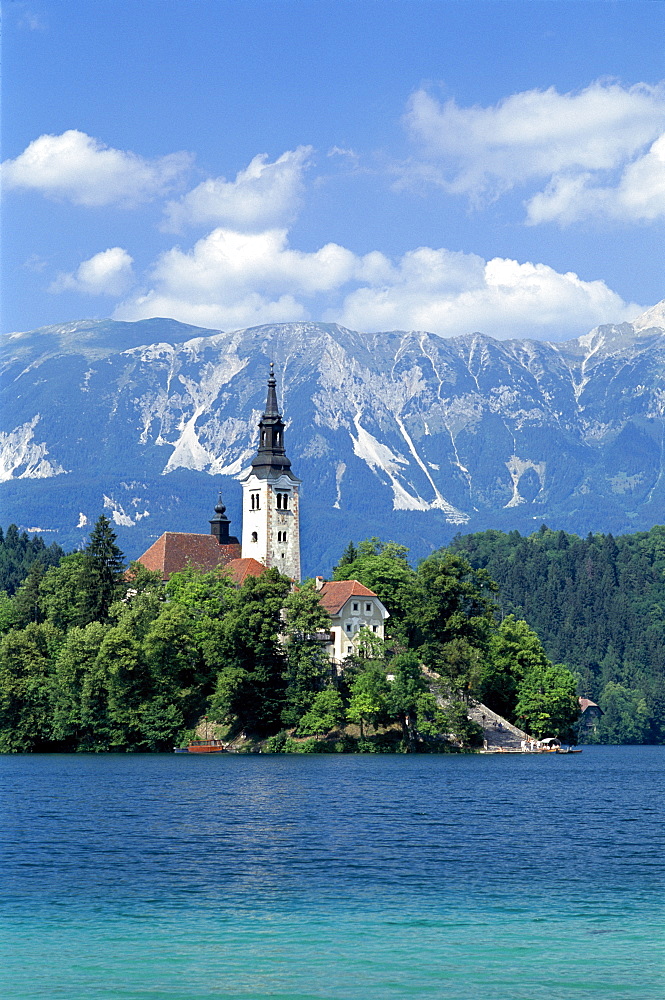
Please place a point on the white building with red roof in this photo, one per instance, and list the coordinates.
(351, 607)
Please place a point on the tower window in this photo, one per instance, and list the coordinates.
(255, 537)
(282, 501)
(254, 501)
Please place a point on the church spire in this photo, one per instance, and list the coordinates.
(272, 409)
(220, 524)
(271, 456)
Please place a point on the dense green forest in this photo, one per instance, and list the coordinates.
(598, 605)
(95, 659)
(18, 552)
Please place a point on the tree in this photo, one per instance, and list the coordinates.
(409, 699)
(63, 594)
(547, 702)
(26, 688)
(369, 697)
(383, 567)
(103, 571)
(74, 725)
(626, 716)
(453, 719)
(248, 655)
(27, 602)
(325, 713)
(18, 552)
(453, 618)
(368, 645)
(307, 666)
(514, 650)
(349, 555)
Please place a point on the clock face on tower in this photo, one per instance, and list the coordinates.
(270, 514)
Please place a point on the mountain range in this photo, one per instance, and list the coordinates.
(407, 436)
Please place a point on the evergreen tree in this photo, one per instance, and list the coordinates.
(103, 571)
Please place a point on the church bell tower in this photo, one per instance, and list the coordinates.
(270, 522)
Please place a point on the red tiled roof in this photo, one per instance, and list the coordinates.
(334, 594)
(240, 569)
(587, 703)
(175, 550)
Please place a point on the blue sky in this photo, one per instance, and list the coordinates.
(448, 166)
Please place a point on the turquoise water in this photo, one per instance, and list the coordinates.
(332, 878)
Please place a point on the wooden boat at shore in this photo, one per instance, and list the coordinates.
(202, 746)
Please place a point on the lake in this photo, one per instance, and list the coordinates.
(464, 877)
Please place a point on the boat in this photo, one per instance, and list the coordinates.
(207, 745)
(202, 746)
(565, 749)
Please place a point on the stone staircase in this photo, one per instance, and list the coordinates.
(496, 730)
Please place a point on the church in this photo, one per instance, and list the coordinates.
(270, 538)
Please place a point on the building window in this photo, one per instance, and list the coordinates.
(355, 606)
(375, 628)
(368, 607)
(349, 650)
(255, 537)
(254, 501)
(348, 628)
(282, 501)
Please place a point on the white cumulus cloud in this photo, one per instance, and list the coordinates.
(78, 168)
(595, 139)
(638, 196)
(453, 293)
(230, 279)
(263, 194)
(107, 273)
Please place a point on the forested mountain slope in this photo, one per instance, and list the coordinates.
(598, 605)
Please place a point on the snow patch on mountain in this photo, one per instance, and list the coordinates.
(517, 467)
(120, 516)
(21, 457)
